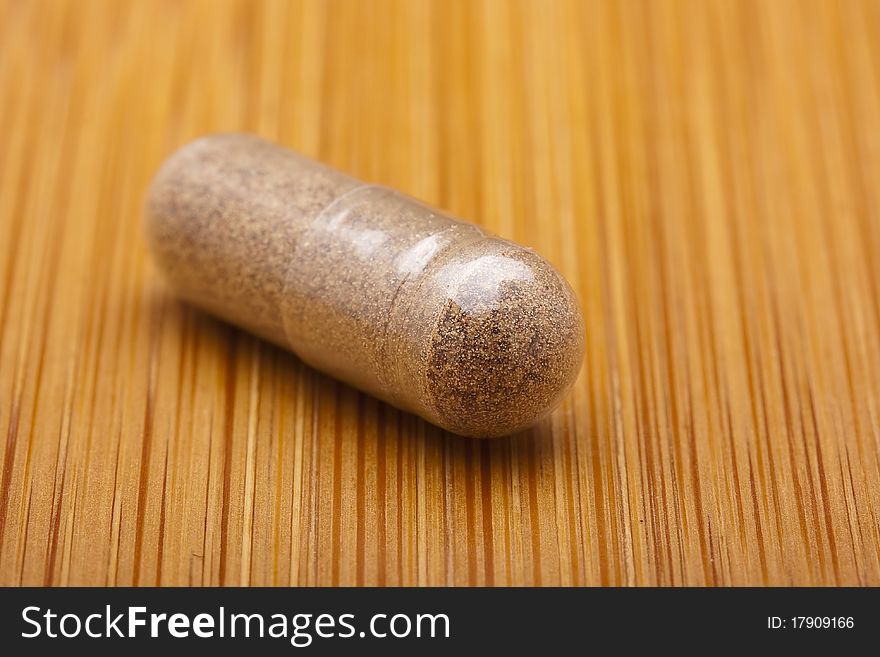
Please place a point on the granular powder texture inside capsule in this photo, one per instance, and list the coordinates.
(224, 215)
(474, 333)
(504, 346)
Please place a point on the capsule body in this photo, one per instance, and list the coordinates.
(429, 313)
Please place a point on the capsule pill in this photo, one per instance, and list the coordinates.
(472, 332)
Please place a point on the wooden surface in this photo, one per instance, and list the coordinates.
(706, 174)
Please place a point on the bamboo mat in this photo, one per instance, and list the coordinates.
(706, 174)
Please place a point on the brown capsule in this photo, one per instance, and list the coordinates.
(476, 334)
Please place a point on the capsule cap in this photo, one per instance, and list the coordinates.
(507, 344)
